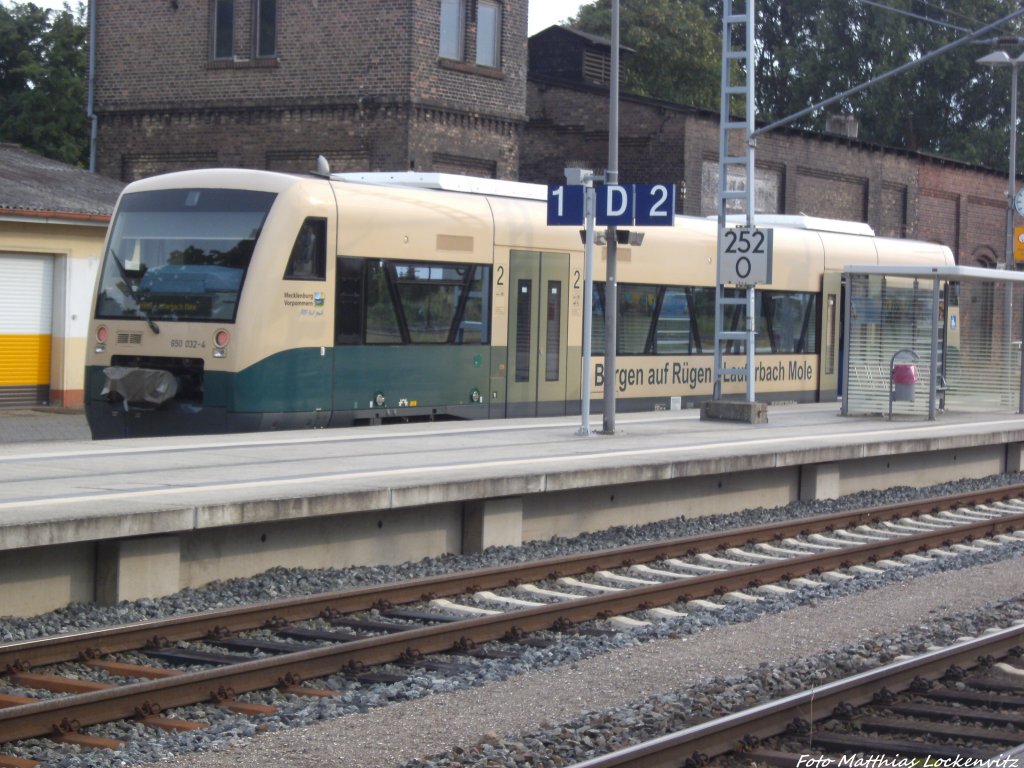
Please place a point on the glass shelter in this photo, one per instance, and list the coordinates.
(922, 340)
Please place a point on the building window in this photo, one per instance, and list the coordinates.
(453, 29)
(488, 33)
(266, 28)
(223, 29)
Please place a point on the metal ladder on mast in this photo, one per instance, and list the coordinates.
(738, 85)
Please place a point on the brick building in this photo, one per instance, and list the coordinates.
(431, 85)
(899, 193)
(442, 85)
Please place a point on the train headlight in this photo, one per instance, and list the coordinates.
(474, 395)
(101, 338)
(221, 339)
(379, 400)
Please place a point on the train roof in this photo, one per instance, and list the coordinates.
(473, 215)
(449, 182)
(803, 221)
(241, 178)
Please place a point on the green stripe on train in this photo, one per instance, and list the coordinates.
(344, 378)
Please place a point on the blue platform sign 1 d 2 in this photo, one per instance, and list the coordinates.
(615, 205)
(565, 205)
(618, 205)
(655, 205)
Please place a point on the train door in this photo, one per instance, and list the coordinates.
(538, 313)
(830, 382)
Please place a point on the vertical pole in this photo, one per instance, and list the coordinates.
(611, 292)
(733, 58)
(1020, 384)
(91, 92)
(751, 109)
(847, 318)
(588, 301)
(1011, 191)
(933, 368)
(1009, 227)
(751, 336)
(1013, 166)
(724, 114)
(751, 115)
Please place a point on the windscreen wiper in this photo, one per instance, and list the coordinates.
(131, 292)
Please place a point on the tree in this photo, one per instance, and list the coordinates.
(676, 43)
(43, 68)
(810, 50)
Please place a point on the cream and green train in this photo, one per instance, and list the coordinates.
(234, 300)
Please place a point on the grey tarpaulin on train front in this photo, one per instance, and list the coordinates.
(140, 385)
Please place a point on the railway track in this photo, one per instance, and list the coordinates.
(144, 670)
(936, 708)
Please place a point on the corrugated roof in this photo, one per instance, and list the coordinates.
(30, 184)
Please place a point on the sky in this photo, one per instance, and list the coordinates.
(543, 13)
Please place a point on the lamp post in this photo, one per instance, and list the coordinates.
(1001, 59)
(611, 285)
(998, 59)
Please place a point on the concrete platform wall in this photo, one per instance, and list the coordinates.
(922, 469)
(44, 578)
(568, 513)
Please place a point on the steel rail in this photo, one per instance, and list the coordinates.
(726, 734)
(50, 650)
(46, 717)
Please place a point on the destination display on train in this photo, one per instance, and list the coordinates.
(653, 376)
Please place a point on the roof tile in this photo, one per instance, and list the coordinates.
(31, 182)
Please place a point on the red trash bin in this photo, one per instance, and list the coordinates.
(904, 377)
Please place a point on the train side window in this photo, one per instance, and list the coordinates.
(597, 319)
(788, 322)
(309, 253)
(348, 303)
(472, 323)
(702, 318)
(524, 324)
(553, 337)
(672, 335)
(442, 303)
(656, 319)
(637, 307)
(382, 321)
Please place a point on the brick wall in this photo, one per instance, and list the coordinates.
(155, 54)
(349, 81)
(361, 83)
(900, 194)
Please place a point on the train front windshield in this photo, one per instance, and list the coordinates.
(180, 254)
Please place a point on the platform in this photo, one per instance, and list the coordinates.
(113, 520)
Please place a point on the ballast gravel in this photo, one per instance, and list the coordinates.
(583, 695)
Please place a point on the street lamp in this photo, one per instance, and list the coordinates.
(999, 59)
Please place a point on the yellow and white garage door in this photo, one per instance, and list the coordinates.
(26, 308)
